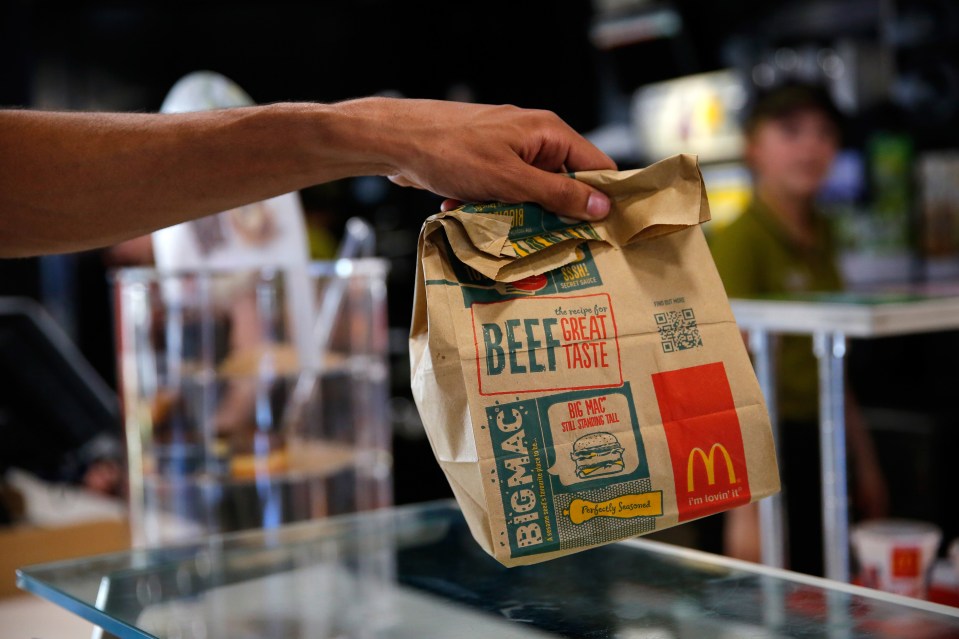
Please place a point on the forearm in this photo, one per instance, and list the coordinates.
(857, 435)
(871, 493)
(70, 181)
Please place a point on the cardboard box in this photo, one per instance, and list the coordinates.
(26, 545)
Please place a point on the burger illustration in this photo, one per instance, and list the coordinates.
(596, 455)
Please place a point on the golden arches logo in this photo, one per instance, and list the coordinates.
(709, 462)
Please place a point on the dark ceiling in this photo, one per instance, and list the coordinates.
(126, 55)
(534, 53)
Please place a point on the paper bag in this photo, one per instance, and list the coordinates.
(582, 383)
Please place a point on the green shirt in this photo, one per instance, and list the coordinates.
(756, 257)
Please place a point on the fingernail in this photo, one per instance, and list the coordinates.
(597, 206)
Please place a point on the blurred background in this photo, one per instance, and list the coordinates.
(643, 79)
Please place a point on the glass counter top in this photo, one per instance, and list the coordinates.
(416, 572)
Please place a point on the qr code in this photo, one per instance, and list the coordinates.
(678, 330)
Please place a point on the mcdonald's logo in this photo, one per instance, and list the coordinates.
(709, 462)
(906, 562)
(702, 431)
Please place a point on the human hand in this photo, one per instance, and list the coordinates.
(471, 152)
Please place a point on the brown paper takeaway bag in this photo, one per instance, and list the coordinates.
(581, 383)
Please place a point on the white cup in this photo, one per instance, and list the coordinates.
(895, 555)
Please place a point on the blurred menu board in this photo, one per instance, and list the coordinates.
(694, 114)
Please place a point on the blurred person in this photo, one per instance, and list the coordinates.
(781, 243)
(72, 181)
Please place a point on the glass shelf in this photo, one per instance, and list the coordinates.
(415, 572)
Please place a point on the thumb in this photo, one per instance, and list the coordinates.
(562, 195)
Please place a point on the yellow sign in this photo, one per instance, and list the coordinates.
(622, 507)
(709, 462)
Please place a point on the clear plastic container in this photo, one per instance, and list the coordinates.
(236, 420)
